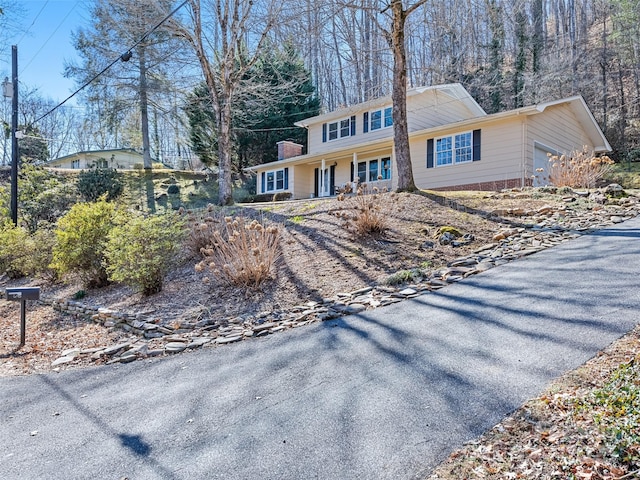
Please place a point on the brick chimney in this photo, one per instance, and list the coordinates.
(287, 149)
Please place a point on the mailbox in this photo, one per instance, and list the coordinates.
(22, 295)
(18, 294)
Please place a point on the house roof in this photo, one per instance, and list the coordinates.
(96, 152)
(453, 91)
(576, 104)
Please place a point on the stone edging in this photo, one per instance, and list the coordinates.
(546, 227)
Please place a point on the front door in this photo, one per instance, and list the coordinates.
(325, 181)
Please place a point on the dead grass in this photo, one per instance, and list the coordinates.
(240, 252)
(579, 169)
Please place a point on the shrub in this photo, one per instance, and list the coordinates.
(262, 198)
(12, 250)
(281, 196)
(363, 213)
(141, 251)
(173, 189)
(580, 169)
(405, 276)
(241, 253)
(617, 412)
(81, 236)
(39, 255)
(96, 182)
(22, 254)
(43, 197)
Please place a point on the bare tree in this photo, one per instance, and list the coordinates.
(227, 37)
(116, 26)
(394, 35)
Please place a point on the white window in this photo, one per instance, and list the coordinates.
(340, 129)
(385, 168)
(333, 131)
(374, 170)
(362, 172)
(274, 181)
(382, 118)
(454, 149)
(75, 163)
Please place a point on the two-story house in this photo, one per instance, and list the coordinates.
(454, 144)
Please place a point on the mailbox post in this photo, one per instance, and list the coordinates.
(22, 295)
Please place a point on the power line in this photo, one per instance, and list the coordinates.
(32, 23)
(49, 38)
(124, 57)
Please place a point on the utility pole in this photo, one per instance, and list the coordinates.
(14, 139)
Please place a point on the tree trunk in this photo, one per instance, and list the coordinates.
(144, 109)
(399, 98)
(225, 196)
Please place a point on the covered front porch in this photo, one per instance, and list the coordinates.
(330, 175)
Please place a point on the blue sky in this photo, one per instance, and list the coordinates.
(44, 44)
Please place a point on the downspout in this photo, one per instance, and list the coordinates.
(523, 160)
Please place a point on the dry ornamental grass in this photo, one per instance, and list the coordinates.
(241, 253)
(579, 169)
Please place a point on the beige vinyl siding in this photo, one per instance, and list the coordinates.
(557, 128)
(302, 186)
(317, 146)
(433, 109)
(501, 151)
(427, 110)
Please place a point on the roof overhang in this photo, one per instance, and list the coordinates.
(585, 117)
(576, 104)
(451, 91)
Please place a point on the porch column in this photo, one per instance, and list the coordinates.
(322, 187)
(355, 167)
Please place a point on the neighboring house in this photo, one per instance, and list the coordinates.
(122, 159)
(454, 144)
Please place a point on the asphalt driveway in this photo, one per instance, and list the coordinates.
(385, 394)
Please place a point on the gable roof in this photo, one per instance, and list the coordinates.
(96, 152)
(576, 103)
(449, 92)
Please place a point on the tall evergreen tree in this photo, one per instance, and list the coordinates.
(115, 26)
(275, 93)
(227, 37)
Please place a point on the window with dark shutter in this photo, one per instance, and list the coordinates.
(286, 178)
(430, 153)
(353, 125)
(365, 122)
(324, 132)
(264, 180)
(476, 145)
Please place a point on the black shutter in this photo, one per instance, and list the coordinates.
(476, 145)
(351, 172)
(286, 178)
(332, 179)
(430, 153)
(365, 123)
(264, 182)
(324, 132)
(353, 125)
(316, 177)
